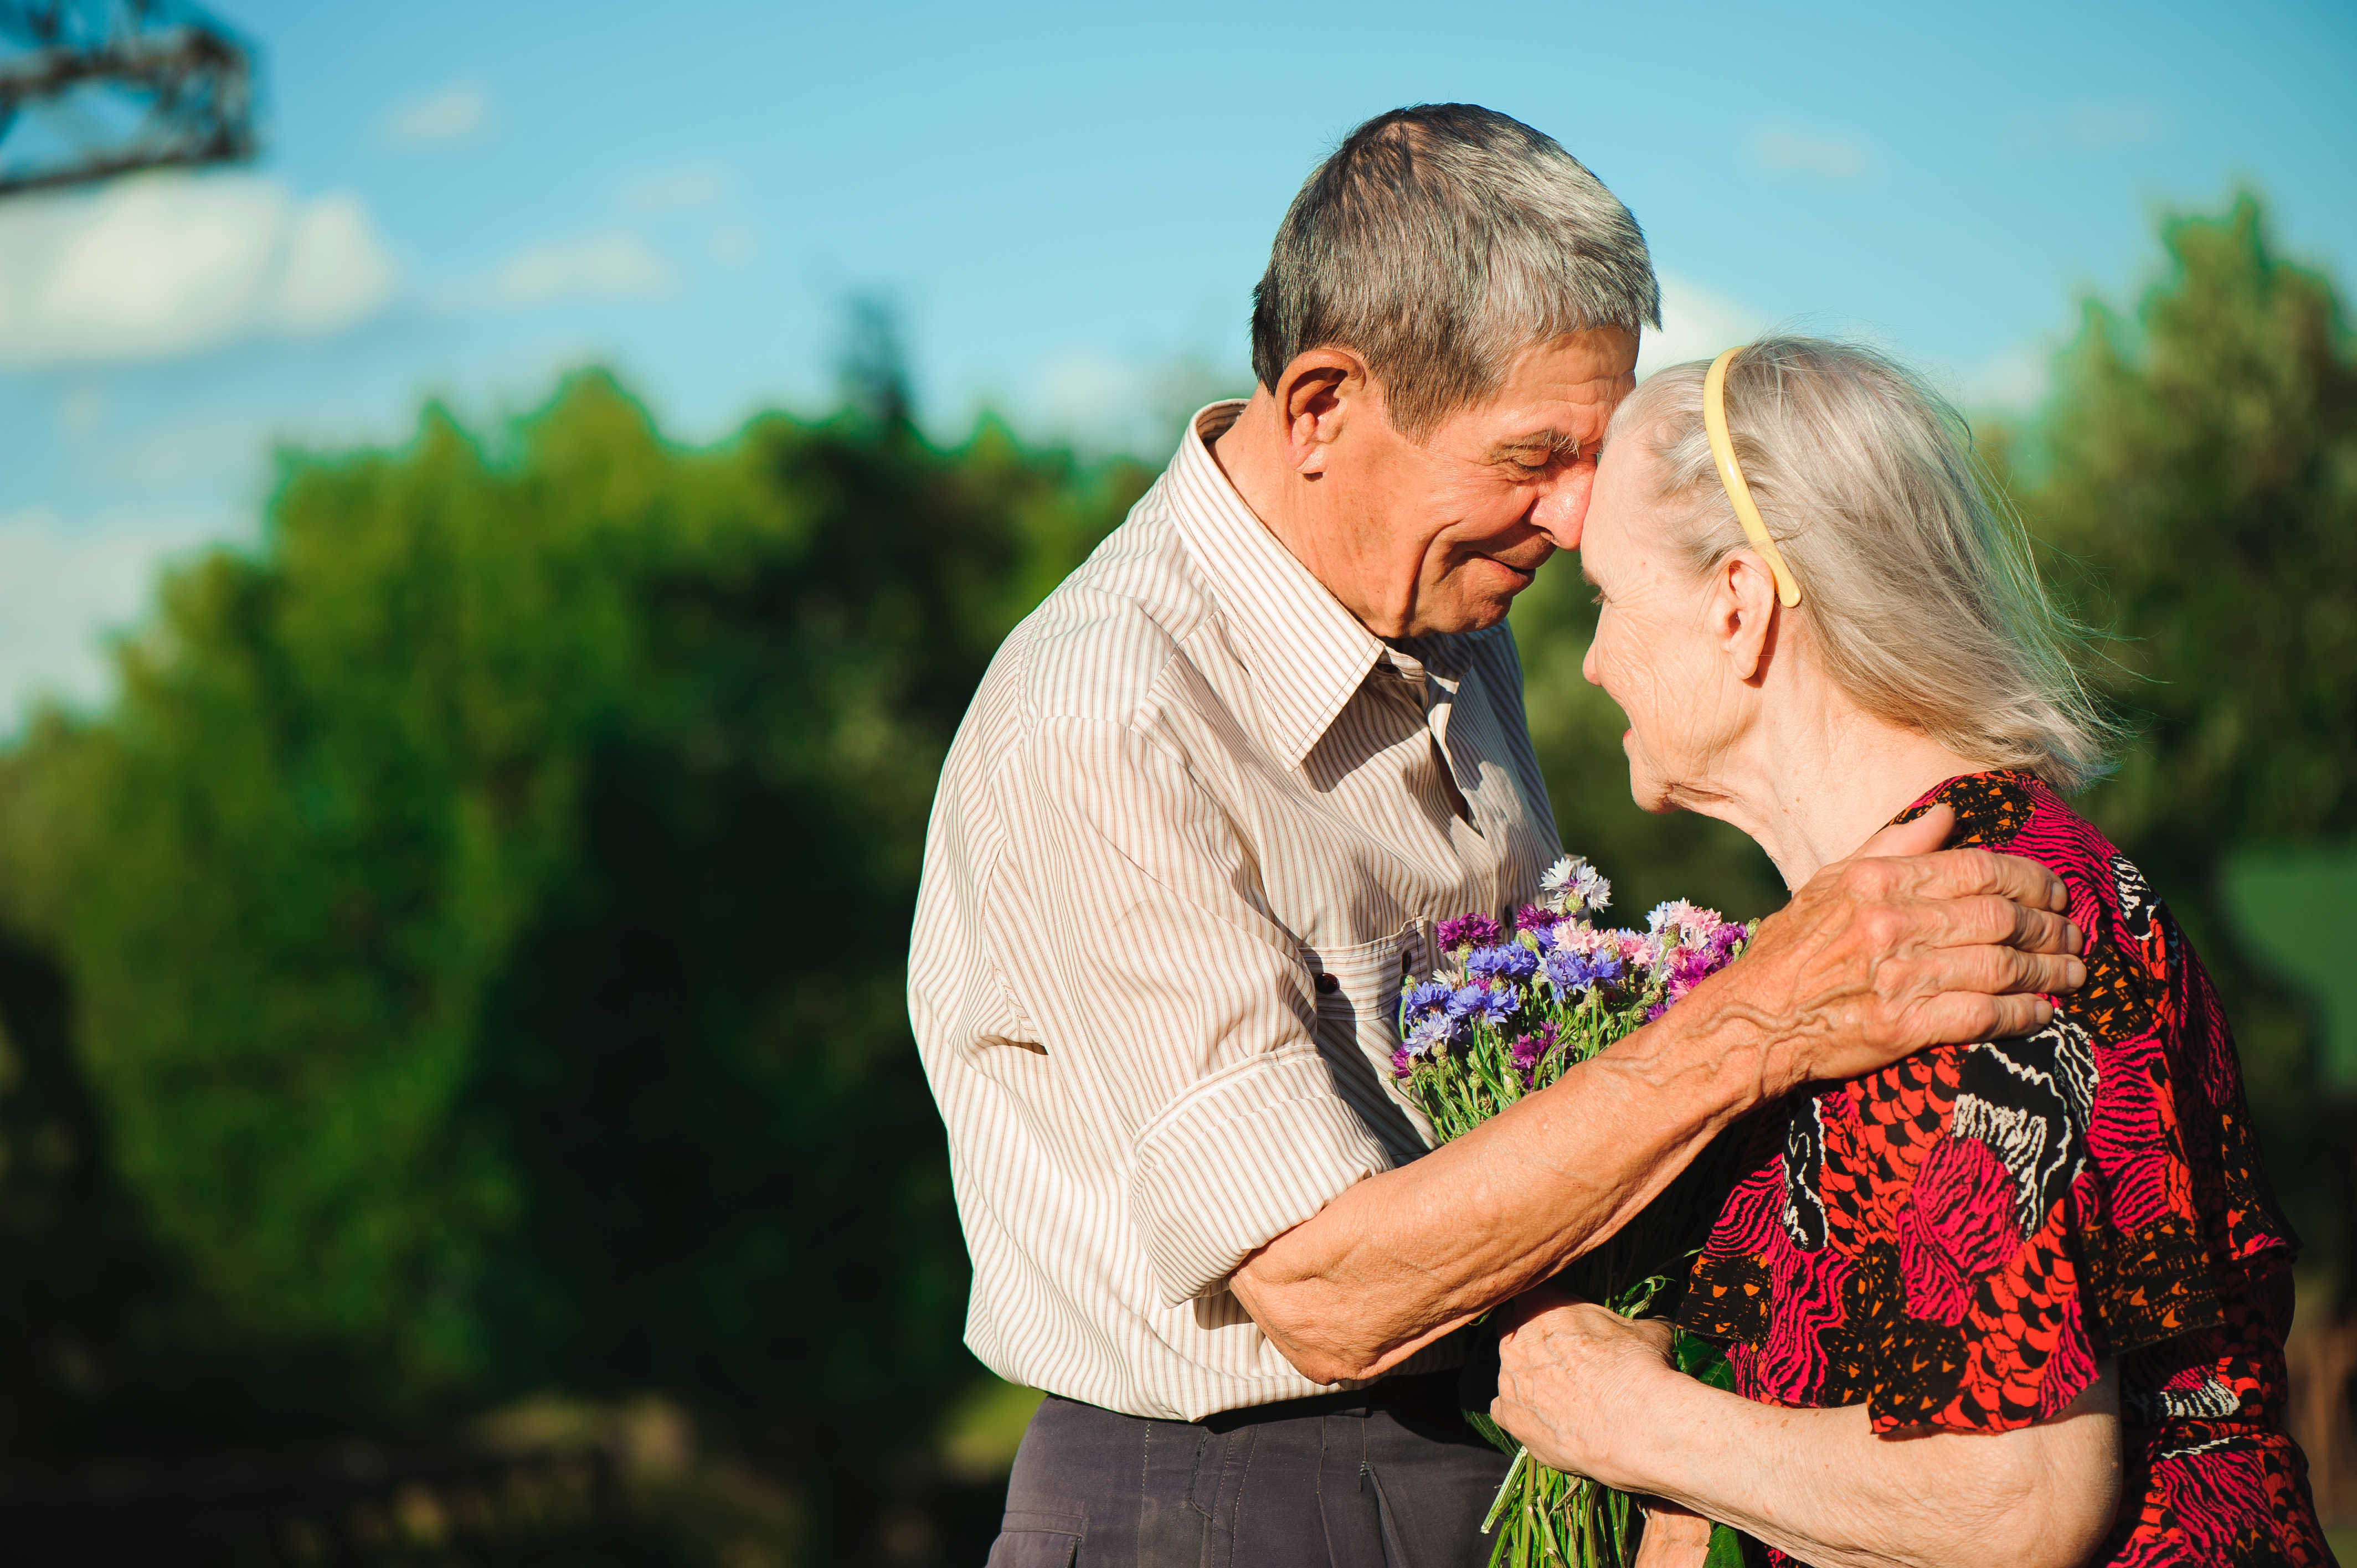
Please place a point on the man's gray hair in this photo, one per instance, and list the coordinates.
(1438, 243)
(1918, 587)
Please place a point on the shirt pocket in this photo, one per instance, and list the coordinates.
(1358, 992)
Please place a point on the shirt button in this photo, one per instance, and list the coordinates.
(1326, 985)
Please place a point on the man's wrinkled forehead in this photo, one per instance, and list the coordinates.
(1556, 406)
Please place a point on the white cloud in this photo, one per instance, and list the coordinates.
(1102, 403)
(450, 115)
(2094, 127)
(1695, 325)
(170, 265)
(1088, 395)
(2011, 380)
(63, 589)
(336, 271)
(672, 192)
(202, 447)
(1787, 149)
(612, 264)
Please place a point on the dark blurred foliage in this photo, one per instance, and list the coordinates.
(465, 964)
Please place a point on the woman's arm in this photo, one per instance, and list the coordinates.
(1589, 1391)
(1874, 958)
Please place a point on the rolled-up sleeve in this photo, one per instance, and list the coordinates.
(1129, 920)
(1241, 1160)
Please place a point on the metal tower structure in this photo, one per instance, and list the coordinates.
(94, 87)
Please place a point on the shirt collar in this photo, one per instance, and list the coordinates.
(1307, 656)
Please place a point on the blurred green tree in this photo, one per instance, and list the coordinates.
(2194, 477)
(486, 909)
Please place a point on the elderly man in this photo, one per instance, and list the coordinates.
(1208, 804)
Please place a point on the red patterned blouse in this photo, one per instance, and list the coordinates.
(1956, 1240)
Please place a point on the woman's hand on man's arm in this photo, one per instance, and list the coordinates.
(1589, 1391)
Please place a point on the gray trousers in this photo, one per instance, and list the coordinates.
(1388, 1477)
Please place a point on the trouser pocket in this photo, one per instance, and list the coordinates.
(1027, 1538)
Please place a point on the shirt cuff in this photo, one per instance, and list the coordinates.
(1244, 1158)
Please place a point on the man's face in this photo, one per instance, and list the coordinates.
(1439, 536)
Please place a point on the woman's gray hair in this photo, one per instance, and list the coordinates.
(1438, 242)
(1917, 580)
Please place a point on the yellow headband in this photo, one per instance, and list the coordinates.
(1722, 448)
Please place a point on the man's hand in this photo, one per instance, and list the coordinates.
(1901, 946)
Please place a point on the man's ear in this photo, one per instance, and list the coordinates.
(1319, 394)
(1743, 613)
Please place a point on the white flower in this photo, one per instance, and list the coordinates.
(1680, 924)
(1572, 887)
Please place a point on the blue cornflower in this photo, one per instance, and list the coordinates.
(1425, 998)
(1498, 1005)
(1571, 972)
(1510, 962)
(1466, 1001)
(1434, 1032)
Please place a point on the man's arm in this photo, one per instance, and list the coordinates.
(1876, 958)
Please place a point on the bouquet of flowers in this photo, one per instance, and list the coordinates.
(1507, 1013)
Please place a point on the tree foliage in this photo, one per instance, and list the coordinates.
(486, 907)
(2195, 479)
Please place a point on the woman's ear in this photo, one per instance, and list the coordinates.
(1316, 397)
(1743, 613)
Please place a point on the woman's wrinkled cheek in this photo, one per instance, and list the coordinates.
(1631, 680)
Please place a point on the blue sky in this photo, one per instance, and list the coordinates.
(1069, 204)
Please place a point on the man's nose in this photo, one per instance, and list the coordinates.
(1559, 513)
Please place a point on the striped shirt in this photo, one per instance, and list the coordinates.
(1195, 826)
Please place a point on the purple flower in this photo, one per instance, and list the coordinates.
(1529, 1050)
(1538, 920)
(1684, 969)
(1403, 1062)
(1510, 962)
(1466, 1001)
(1468, 931)
(1688, 966)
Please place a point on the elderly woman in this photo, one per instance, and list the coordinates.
(2021, 1302)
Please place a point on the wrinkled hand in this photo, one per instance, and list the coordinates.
(1573, 1381)
(1901, 946)
(1673, 1539)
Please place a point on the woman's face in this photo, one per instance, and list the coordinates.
(1655, 652)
